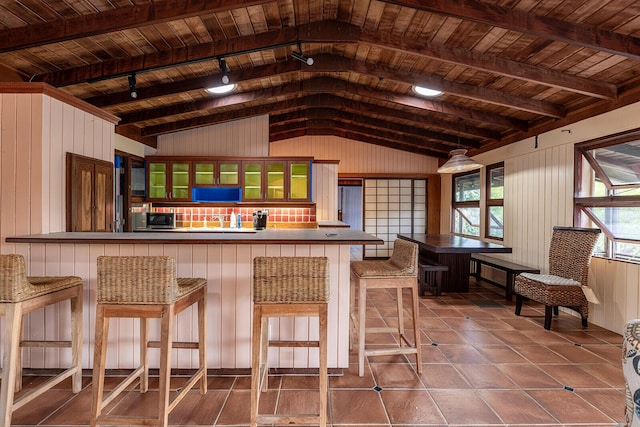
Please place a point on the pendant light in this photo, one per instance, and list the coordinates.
(459, 161)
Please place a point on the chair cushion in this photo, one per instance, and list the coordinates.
(551, 280)
(631, 371)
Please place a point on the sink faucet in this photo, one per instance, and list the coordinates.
(220, 219)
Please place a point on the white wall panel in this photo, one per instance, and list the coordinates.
(242, 138)
(355, 156)
(37, 130)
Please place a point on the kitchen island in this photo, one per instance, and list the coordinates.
(224, 258)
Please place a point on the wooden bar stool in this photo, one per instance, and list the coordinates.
(398, 272)
(146, 287)
(288, 287)
(20, 295)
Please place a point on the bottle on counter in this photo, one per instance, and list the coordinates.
(239, 220)
(232, 220)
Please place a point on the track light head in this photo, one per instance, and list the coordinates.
(133, 90)
(300, 57)
(223, 68)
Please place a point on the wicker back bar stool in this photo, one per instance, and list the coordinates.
(288, 287)
(399, 272)
(566, 285)
(146, 287)
(21, 294)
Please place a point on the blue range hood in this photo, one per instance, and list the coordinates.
(216, 194)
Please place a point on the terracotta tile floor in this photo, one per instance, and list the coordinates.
(483, 366)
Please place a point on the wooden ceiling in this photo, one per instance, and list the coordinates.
(509, 69)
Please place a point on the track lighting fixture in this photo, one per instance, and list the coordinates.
(300, 57)
(223, 68)
(133, 91)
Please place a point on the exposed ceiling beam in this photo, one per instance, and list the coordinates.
(335, 64)
(117, 19)
(434, 140)
(324, 85)
(319, 32)
(329, 32)
(318, 101)
(503, 67)
(546, 27)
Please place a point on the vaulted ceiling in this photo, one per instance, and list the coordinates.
(508, 69)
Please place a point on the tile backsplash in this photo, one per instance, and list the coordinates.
(195, 216)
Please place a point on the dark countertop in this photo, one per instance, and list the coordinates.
(452, 244)
(312, 236)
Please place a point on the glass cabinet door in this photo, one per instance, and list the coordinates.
(204, 174)
(180, 181)
(252, 189)
(275, 181)
(229, 174)
(157, 180)
(299, 176)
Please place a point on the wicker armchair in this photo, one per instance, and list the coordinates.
(21, 294)
(566, 285)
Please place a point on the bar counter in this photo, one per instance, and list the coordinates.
(225, 259)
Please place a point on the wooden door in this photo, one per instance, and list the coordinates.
(89, 194)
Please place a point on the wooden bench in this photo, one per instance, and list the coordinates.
(430, 277)
(510, 268)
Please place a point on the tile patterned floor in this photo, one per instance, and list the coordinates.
(482, 366)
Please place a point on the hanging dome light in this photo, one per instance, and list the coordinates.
(459, 162)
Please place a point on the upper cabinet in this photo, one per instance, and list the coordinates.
(276, 180)
(261, 179)
(211, 173)
(168, 180)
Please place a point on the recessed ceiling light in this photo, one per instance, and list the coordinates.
(425, 91)
(219, 90)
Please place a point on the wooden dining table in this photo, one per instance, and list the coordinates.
(454, 252)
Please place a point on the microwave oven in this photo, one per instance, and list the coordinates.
(161, 220)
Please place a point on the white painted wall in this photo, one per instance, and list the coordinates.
(538, 194)
(37, 131)
(241, 138)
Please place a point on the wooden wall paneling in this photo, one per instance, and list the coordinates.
(301, 325)
(56, 170)
(214, 304)
(285, 325)
(7, 173)
(81, 266)
(228, 293)
(34, 175)
(243, 138)
(23, 157)
(243, 302)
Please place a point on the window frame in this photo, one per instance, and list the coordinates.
(455, 205)
(489, 202)
(582, 204)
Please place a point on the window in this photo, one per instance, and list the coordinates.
(494, 221)
(607, 193)
(466, 203)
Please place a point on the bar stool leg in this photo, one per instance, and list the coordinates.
(166, 342)
(144, 354)
(202, 342)
(324, 378)
(402, 336)
(416, 328)
(12, 337)
(362, 306)
(99, 361)
(256, 362)
(76, 340)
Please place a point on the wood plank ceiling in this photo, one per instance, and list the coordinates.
(508, 69)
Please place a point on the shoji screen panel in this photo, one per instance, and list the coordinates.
(393, 206)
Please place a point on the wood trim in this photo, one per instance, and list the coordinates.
(45, 89)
